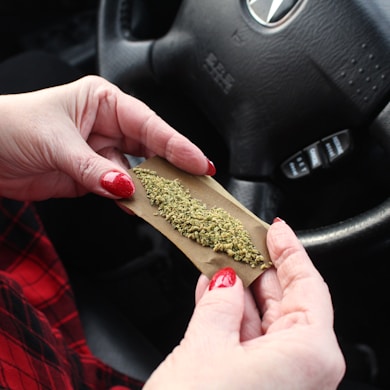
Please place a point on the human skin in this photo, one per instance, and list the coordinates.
(68, 140)
(277, 335)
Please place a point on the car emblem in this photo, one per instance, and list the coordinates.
(271, 12)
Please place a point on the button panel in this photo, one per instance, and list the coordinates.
(320, 154)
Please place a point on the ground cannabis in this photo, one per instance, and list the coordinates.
(214, 227)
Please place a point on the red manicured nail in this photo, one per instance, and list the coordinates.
(277, 219)
(118, 184)
(225, 277)
(211, 171)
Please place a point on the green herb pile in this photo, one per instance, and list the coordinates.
(214, 228)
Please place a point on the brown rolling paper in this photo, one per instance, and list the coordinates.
(212, 194)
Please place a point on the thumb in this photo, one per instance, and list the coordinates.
(219, 312)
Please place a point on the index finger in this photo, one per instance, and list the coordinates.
(110, 117)
(151, 133)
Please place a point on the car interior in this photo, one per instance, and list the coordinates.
(291, 103)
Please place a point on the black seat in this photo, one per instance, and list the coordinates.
(110, 334)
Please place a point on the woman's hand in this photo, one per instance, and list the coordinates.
(277, 336)
(69, 140)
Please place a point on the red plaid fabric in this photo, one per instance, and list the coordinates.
(42, 345)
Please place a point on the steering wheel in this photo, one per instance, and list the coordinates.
(263, 71)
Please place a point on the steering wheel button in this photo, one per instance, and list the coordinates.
(296, 167)
(337, 145)
(314, 156)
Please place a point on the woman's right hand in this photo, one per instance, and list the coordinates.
(278, 335)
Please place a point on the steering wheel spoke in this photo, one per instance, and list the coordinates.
(120, 60)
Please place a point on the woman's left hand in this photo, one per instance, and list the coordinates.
(276, 335)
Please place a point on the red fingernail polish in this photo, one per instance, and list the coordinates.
(225, 277)
(118, 184)
(211, 171)
(277, 219)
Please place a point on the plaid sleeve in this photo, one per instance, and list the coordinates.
(42, 345)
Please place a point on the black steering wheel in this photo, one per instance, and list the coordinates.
(263, 71)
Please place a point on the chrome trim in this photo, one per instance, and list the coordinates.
(274, 5)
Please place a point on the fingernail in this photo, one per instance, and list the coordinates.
(277, 219)
(118, 184)
(211, 171)
(225, 277)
